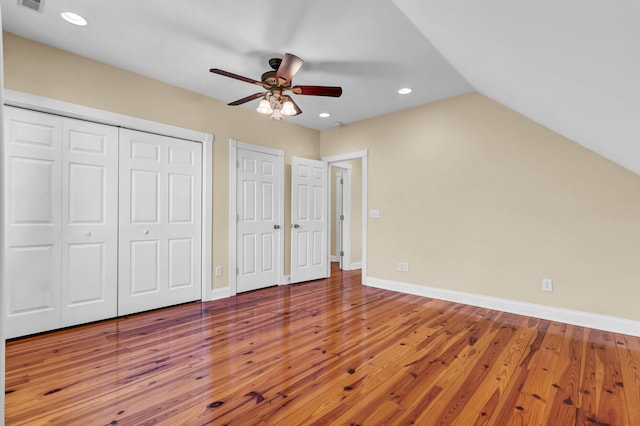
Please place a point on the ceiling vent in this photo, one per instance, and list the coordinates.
(32, 4)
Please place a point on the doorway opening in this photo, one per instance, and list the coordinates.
(346, 208)
(348, 211)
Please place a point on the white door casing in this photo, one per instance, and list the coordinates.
(258, 214)
(89, 222)
(160, 221)
(339, 218)
(32, 176)
(309, 220)
(364, 157)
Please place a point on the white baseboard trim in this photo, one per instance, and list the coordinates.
(354, 266)
(584, 319)
(219, 293)
(335, 258)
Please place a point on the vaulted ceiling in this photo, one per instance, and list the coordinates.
(571, 65)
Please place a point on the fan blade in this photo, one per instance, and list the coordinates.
(247, 99)
(333, 91)
(295, 105)
(288, 68)
(236, 76)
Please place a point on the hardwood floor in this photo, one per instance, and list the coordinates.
(324, 352)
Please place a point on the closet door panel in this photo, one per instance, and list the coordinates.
(184, 230)
(160, 228)
(33, 226)
(90, 225)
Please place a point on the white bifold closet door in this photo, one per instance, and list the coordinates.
(89, 222)
(160, 221)
(61, 229)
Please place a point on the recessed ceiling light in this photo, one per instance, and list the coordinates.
(404, 91)
(324, 115)
(74, 18)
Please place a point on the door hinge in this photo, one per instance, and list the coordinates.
(341, 181)
(341, 217)
(237, 164)
(237, 218)
(341, 253)
(237, 271)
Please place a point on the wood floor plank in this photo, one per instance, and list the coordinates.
(629, 356)
(566, 377)
(601, 401)
(532, 401)
(324, 352)
(467, 380)
(483, 401)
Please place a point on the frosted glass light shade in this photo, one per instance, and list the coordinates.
(277, 115)
(288, 109)
(264, 107)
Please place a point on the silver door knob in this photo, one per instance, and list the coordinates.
(146, 231)
(276, 226)
(295, 225)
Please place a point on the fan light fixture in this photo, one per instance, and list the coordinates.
(275, 83)
(264, 107)
(288, 109)
(74, 18)
(278, 107)
(277, 115)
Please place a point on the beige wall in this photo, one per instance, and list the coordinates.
(474, 196)
(41, 70)
(479, 199)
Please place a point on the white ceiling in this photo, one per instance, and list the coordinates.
(571, 65)
(368, 47)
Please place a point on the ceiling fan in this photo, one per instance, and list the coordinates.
(276, 83)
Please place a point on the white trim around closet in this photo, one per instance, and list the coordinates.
(67, 109)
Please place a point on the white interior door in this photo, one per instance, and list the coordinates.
(32, 176)
(89, 222)
(309, 223)
(160, 221)
(258, 219)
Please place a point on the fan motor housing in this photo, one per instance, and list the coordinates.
(269, 78)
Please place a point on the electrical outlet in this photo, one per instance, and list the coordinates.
(547, 284)
(218, 271)
(405, 267)
(399, 266)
